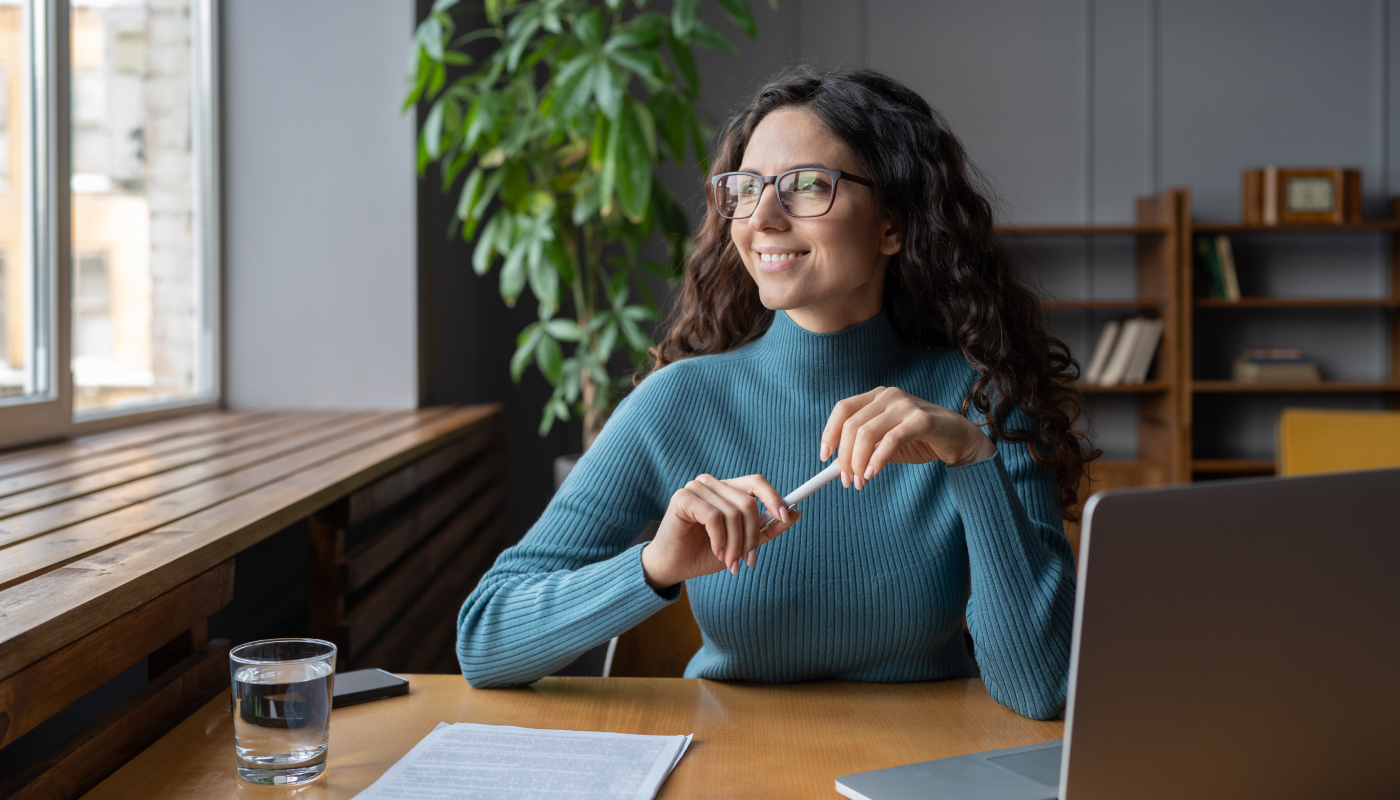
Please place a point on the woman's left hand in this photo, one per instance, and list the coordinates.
(887, 425)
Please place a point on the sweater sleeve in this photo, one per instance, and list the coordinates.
(1021, 612)
(575, 580)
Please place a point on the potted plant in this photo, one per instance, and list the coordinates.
(550, 141)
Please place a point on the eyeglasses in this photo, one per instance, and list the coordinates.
(806, 192)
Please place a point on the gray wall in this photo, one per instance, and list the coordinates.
(319, 209)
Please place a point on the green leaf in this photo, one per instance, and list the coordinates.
(667, 107)
(607, 341)
(685, 63)
(481, 118)
(630, 37)
(607, 87)
(485, 250)
(646, 125)
(573, 377)
(488, 193)
(644, 64)
(639, 313)
(659, 270)
(634, 169)
(565, 330)
(741, 15)
(549, 357)
(637, 339)
(617, 289)
(432, 130)
(711, 38)
(611, 172)
(614, 5)
(513, 271)
(558, 255)
(528, 340)
(517, 47)
(429, 35)
(589, 28)
(470, 190)
(544, 281)
(683, 17)
(494, 8)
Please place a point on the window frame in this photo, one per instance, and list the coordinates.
(48, 227)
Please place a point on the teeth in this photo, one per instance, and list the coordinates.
(777, 256)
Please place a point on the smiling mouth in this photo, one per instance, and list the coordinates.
(769, 258)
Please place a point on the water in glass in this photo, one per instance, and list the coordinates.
(281, 720)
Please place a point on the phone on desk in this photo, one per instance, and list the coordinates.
(364, 685)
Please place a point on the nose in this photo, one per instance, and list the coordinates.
(769, 216)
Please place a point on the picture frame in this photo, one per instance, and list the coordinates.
(1280, 196)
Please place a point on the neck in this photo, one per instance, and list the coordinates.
(848, 362)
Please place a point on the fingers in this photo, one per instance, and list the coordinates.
(898, 436)
(723, 520)
(857, 427)
(869, 437)
(741, 513)
(842, 411)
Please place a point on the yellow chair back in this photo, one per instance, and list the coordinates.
(1317, 440)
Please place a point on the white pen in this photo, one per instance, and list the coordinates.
(799, 494)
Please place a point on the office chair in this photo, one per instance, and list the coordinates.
(1313, 440)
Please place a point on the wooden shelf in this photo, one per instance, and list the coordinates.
(1298, 302)
(1250, 466)
(1124, 388)
(1080, 230)
(1298, 387)
(1237, 227)
(1129, 304)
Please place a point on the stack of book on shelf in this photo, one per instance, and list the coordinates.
(1215, 268)
(1259, 364)
(1125, 352)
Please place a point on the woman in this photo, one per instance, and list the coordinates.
(854, 303)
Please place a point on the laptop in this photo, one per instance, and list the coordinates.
(1235, 639)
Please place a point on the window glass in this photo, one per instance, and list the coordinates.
(136, 321)
(21, 369)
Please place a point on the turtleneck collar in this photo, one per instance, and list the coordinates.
(862, 353)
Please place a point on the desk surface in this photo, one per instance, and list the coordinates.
(751, 740)
(93, 528)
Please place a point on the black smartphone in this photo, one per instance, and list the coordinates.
(364, 685)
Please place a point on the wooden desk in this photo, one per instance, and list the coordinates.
(751, 740)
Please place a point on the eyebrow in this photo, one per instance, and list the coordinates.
(788, 169)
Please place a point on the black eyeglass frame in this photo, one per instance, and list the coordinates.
(835, 175)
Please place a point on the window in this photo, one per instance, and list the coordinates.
(133, 214)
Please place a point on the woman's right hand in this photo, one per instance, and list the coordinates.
(711, 525)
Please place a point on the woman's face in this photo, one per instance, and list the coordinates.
(827, 272)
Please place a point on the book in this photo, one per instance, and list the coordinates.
(1225, 254)
(1102, 351)
(1261, 364)
(1123, 352)
(1209, 280)
(1144, 353)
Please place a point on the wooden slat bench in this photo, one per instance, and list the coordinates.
(118, 547)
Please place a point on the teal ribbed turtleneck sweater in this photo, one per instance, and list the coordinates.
(869, 585)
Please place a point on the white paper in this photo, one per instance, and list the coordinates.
(467, 761)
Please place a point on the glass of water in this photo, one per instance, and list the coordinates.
(282, 708)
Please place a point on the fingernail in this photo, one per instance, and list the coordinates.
(870, 472)
(782, 514)
(845, 480)
(826, 451)
(752, 559)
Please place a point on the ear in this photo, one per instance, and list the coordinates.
(891, 236)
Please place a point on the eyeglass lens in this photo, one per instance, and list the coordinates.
(805, 193)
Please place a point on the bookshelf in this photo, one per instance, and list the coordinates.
(1208, 398)
(1152, 272)
(1188, 415)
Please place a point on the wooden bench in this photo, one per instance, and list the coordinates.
(118, 547)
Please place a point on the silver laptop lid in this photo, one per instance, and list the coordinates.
(1237, 640)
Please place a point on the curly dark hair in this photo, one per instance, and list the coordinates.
(952, 283)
